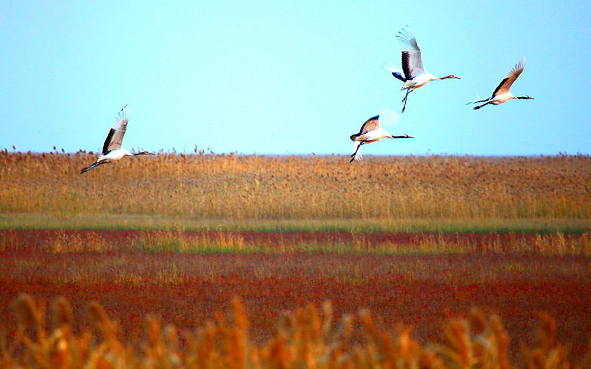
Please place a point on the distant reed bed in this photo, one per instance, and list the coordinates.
(252, 187)
(305, 338)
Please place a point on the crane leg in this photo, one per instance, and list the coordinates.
(480, 106)
(86, 169)
(354, 155)
(406, 98)
(479, 101)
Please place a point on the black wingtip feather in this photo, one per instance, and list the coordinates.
(108, 141)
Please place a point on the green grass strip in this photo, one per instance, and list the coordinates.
(150, 222)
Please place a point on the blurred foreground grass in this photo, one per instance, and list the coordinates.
(306, 338)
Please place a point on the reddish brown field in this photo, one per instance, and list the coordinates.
(421, 290)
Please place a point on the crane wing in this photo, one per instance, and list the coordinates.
(506, 83)
(115, 136)
(369, 125)
(108, 141)
(412, 63)
(387, 117)
(396, 72)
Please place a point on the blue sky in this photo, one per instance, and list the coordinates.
(292, 77)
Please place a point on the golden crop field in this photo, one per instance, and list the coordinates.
(238, 188)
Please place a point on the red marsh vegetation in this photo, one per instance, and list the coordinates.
(400, 277)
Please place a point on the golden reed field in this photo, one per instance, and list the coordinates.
(228, 261)
(300, 187)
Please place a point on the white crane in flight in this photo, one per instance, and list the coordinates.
(501, 93)
(413, 73)
(112, 150)
(372, 131)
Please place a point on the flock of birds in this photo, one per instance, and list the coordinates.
(413, 74)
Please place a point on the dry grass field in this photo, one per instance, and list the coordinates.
(473, 192)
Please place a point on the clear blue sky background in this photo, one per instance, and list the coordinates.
(291, 77)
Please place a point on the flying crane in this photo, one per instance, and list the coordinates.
(501, 93)
(112, 150)
(413, 73)
(371, 131)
